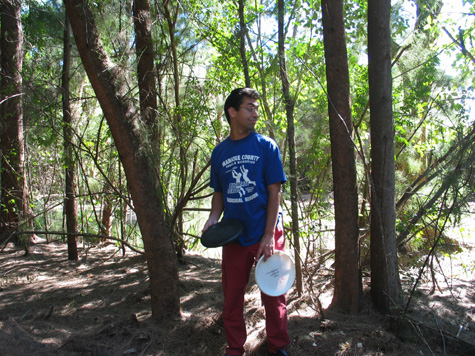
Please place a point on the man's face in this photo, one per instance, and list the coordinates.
(247, 116)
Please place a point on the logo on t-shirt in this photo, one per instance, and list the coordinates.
(243, 189)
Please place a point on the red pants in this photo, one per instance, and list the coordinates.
(236, 269)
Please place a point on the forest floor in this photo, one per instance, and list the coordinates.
(100, 306)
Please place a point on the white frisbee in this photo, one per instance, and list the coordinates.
(276, 275)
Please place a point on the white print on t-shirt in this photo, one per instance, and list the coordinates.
(237, 185)
(244, 172)
(243, 185)
(239, 159)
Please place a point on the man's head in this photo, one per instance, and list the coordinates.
(235, 99)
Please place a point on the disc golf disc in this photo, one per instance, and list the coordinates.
(276, 275)
(222, 233)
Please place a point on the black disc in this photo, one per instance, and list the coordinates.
(222, 233)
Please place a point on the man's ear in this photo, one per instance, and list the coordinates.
(231, 111)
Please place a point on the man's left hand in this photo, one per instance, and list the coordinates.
(266, 247)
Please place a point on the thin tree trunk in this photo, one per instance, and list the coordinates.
(263, 77)
(455, 152)
(242, 43)
(121, 116)
(14, 196)
(449, 181)
(70, 206)
(106, 216)
(432, 171)
(177, 222)
(347, 277)
(289, 109)
(145, 66)
(385, 282)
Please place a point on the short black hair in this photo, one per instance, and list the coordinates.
(235, 99)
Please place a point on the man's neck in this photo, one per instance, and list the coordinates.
(239, 134)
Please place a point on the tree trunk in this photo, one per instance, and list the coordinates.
(106, 216)
(70, 206)
(242, 43)
(347, 277)
(289, 109)
(14, 197)
(177, 218)
(145, 66)
(385, 282)
(122, 118)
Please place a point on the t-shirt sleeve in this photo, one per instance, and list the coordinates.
(274, 171)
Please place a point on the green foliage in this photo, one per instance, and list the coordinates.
(431, 105)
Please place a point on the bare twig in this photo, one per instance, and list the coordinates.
(441, 333)
(419, 333)
(82, 234)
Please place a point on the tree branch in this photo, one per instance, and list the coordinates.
(81, 234)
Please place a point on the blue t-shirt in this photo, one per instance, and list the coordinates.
(242, 170)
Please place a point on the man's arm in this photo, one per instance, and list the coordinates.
(217, 207)
(266, 247)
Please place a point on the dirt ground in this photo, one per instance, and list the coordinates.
(100, 306)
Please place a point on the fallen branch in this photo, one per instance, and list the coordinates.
(81, 234)
(416, 327)
(457, 344)
(17, 332)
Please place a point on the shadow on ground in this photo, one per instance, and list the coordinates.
(100, 306)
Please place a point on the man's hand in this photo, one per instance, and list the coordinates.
(266, 248)
(209, 223)
(217, 207)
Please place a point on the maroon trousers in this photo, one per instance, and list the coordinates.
(236, 270)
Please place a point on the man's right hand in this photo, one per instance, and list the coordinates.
(217, 207)
(209, 223)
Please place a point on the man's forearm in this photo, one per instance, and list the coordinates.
(273, 204)
(217, 206)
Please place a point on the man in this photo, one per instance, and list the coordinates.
(246, 175)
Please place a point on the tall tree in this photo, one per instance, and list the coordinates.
(118, 108)
(347, 280)
(14, 197)
(289, 110)
(145, 66)
(385, 282)
(171, 12)
(242, 43)
(70, 205)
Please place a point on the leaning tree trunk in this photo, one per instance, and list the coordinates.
(385, 282)
(14, 197)
(122, 118)
(347, 278)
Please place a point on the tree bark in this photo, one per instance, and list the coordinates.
(14, 196)
(289, 109)
(242, 43)
(70, 205)
(145, 66)
(385, 282)
(122, 118)
(107, 209)
(347, 277)
(177, 218)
